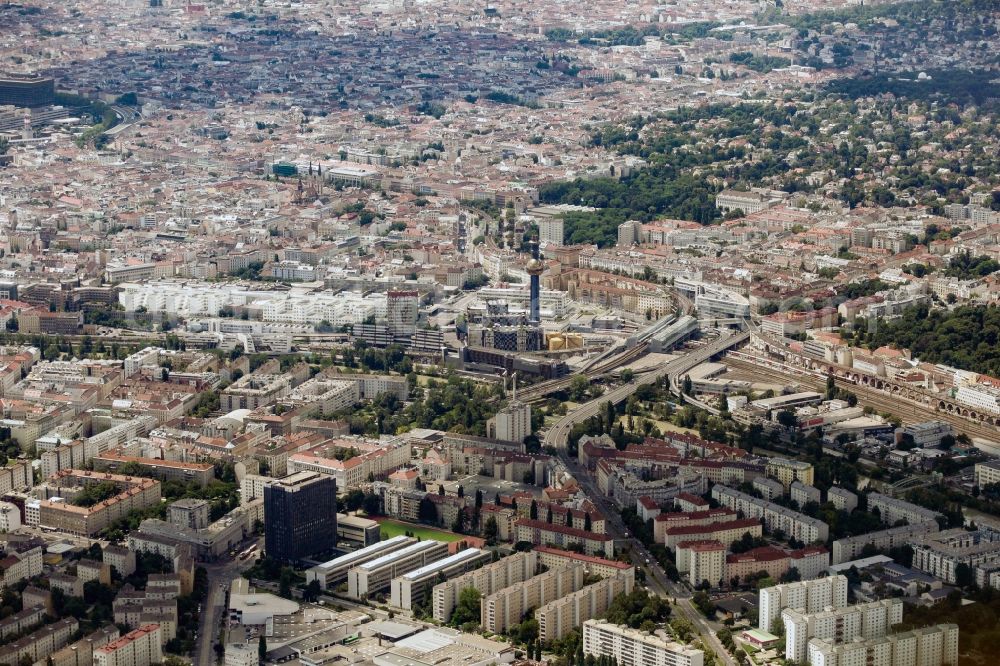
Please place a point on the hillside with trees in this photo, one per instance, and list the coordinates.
(965, 337)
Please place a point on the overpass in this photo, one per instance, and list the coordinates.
(558, 434)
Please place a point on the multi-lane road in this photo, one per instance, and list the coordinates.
(656, 577)
(213, 608)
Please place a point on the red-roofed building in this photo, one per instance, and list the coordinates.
(667, 520)
(647, 508)
(772, 560)
(726, 532)
(542, 533)
(405, 478)
(686, 502)
(596, 566)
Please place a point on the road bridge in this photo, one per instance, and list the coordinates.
(558, 434)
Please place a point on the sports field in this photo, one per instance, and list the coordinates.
(391, 528)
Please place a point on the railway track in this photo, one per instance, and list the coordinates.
(905, 409)
(539, 391)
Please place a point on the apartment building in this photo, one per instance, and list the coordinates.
(803, 494)
(592, 566)
(892, 510)
(136, 493)
(374, 460)
(785, 471)
(141, 647)
(138, 608)
(81, 653)
(624, 645)
(726, 532)
(119, 558)
(543, 533)
(987, 473)
(809, 596)
(702, 561)
(376, 575)
(560, 616)
(927, 646)
(22, 621)
(775, 517)
(506, 607)
(768, 488)
(839, 625)
(20, 561)
(689, 518)
(39, 644)
(200, 474)
(16, 476)
(941, 554)
(515, 568)
(850, 548)
(253, 391)
(774, 561)
(413, 588)
(842, 500)
(78, 453)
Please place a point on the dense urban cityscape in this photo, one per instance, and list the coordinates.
(428, 333)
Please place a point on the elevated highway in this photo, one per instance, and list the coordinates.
(558, 434)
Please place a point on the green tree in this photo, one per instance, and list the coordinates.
(285, 582)
(467, 611)
(491, 531)
(578, 387)
(262, 647)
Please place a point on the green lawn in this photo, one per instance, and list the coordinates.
(391, 528)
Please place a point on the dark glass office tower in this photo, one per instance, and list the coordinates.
(300, 516)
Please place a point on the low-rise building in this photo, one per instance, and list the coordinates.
(413, 588)
(376, 575)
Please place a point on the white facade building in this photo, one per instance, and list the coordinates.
(927, 646)
(840, 625)
(637, 648)
(10, 517)
(810, 596)
(512, 423)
